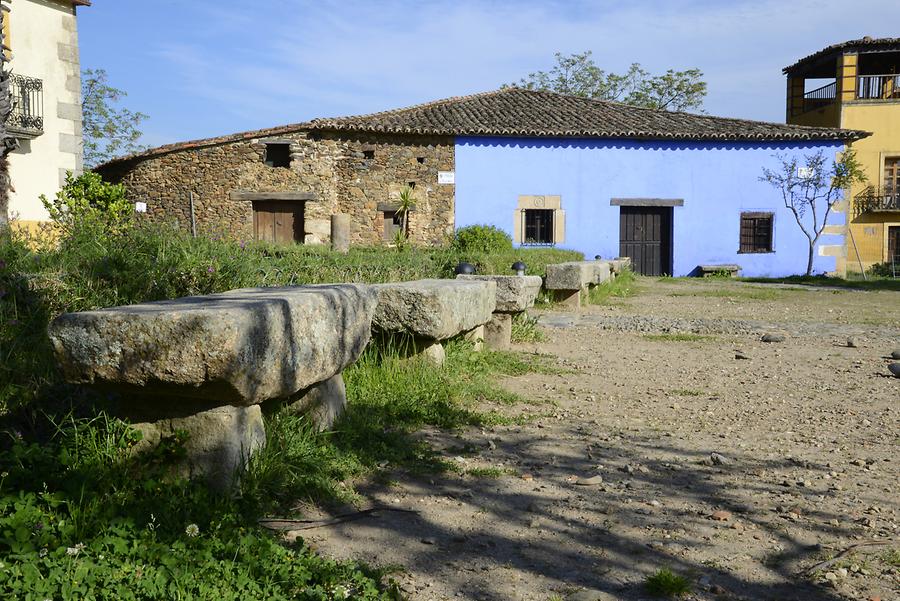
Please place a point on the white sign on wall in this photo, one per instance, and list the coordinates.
(446, 177)
(140, 207)
(804, 172)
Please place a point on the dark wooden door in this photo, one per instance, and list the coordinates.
(893, 244)
(645, 235)
(278, 221)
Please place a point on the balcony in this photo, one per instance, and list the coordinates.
(816, 99)
(875, 200)
(27, 117)
(878, 87)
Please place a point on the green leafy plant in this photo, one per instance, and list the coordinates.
(666, 583)
(109, 131)
(525, 329)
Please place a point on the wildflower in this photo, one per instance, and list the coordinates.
(210, 269)
(4, 474)
(74, 550)
(43, 552)
(2, 264)
(192, 530)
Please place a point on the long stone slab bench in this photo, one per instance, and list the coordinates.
(568, 280)
(205, 364)
(425, 312)
(515, 294)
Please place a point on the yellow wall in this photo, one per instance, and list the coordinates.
(827, 116)
(869, 229)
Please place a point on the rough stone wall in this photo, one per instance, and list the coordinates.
(358, 175)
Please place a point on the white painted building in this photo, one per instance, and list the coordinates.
(46, 88)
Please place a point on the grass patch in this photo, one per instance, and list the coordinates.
(748, 294)
(677, 337)
(873, 283)
(622, 286)
(82, 513)
(666, 583)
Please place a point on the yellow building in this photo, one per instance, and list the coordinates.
(856, 85)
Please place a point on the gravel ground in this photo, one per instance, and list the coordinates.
(673, 437)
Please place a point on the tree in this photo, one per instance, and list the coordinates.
(108, 131)
(579, 75)
(7, 142)
(811, 189)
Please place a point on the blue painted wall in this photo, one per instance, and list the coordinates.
(716, 180)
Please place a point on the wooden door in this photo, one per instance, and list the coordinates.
(893, 233)
(645, 235)
(279, 221)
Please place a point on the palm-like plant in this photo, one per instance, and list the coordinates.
(403, 208)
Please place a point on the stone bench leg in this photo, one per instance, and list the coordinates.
(477, 337)
(498, 332)
(219, 444)
(322, 403)
(570, 298)
(413, 346)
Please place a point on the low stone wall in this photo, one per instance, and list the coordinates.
(515, 294)
(567, 281)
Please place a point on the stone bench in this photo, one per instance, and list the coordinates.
(422, 313)
(566, 281)
(706, 271)
(205, 364)
(619, 264)
(515, 294)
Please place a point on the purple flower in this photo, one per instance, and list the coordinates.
(13, 322)
(210, 269)
(2, 264)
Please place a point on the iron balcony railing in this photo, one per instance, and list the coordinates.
(874, 199)
(878, 87)
(820, 96)
(27, 116)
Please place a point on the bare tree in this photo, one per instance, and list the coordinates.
(811, 188)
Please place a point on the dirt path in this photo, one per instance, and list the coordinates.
(737, 473)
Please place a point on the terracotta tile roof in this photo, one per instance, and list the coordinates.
(862, 45)
(529, 113)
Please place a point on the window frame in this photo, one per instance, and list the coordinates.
(753, 218)
(548, 228)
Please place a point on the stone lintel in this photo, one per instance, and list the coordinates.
(646, 202)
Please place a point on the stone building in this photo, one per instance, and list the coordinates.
(673, 191)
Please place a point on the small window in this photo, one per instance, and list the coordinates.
(538, 226)
(412, 185)
(420, 160)
(368, 154)
(393, 223)
(756, 232)
(278, 155)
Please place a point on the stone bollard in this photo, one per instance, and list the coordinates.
(515, 294)
(417, 316)
(340, 233)
(206, 364)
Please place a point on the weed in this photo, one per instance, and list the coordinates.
(686, 392)
(677, 337)
(666, 583)
(489, 472)
(891, 557)
(525, 329)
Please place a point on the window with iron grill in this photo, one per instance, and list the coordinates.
(756, 232)
(538, 226)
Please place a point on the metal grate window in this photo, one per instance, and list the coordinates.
(538, 226)
(756, 232)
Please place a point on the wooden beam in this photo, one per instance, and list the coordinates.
(246, 195)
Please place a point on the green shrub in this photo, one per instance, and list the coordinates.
(482, 239)
(86, 201)
(884, 270)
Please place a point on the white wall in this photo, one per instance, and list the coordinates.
(44, 41)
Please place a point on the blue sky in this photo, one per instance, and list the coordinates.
(203, 68)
